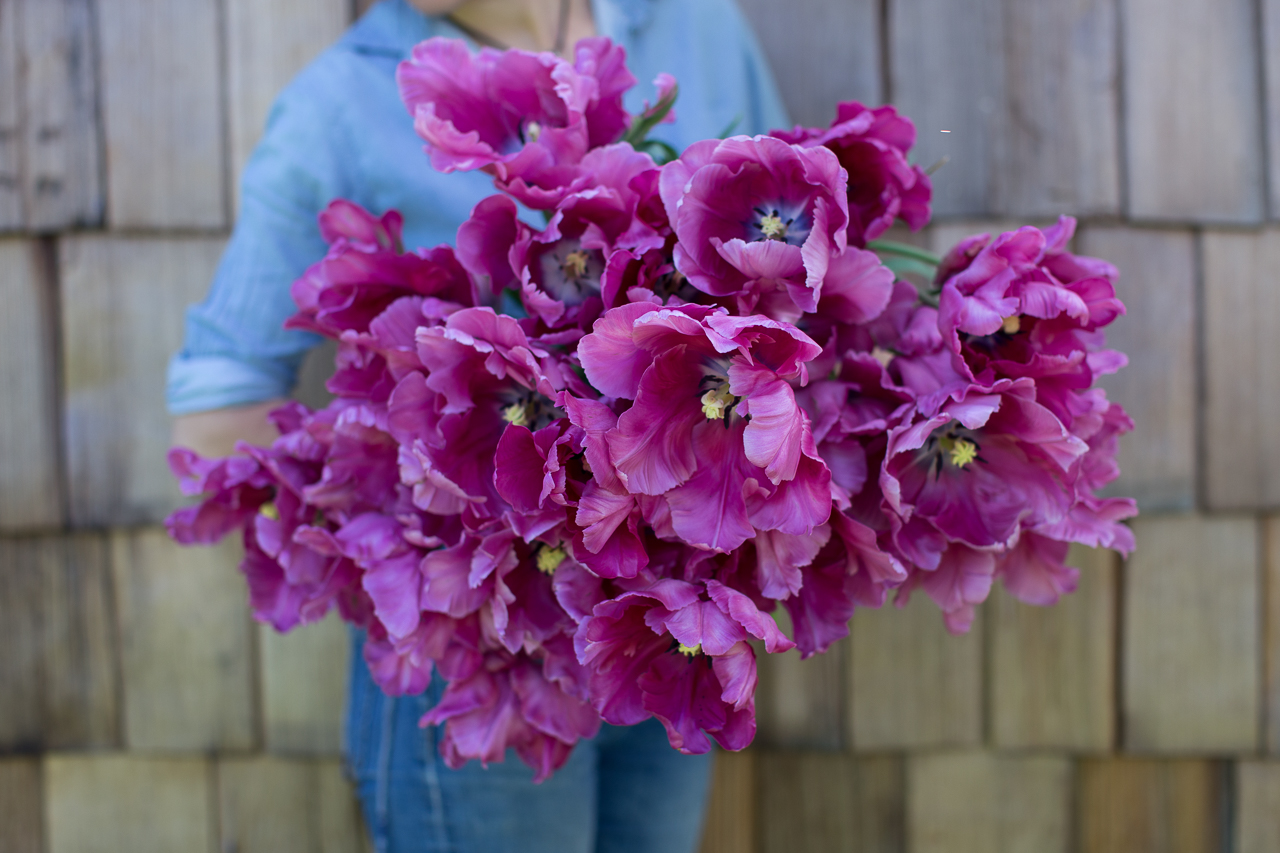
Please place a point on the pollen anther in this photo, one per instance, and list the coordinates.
(963, 452)
(715, 401)
(773, 228)
(549, 559)
(1011, 325)
(689, 650)
(516, 413)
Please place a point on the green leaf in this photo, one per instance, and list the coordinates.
(890, 247)
(660, 151)
(902, 266)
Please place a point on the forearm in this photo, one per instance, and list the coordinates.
(214, 434)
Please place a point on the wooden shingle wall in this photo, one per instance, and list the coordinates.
(140, 709)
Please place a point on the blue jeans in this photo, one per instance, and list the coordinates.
(624, 791)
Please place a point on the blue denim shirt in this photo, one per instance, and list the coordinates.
(340, 131)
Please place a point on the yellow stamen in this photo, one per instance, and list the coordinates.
(773, 228)
(532, 131)
(516, 413)
(962, 452)
(575, 264)
(715, 401)
(1011, 325)
(270, 511)
(549, 559)
(882, 355)
(689, 650)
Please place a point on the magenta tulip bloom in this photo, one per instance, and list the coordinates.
(757, 220)
(872, 146)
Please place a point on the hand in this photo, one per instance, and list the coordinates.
(214, 434)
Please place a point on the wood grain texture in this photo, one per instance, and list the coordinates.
(1052, 682)
(22, 639)
(1257, 810)
(1242, 369)
(821, 53)
(10, 117)
(1191, 656)
(50, 175)
(802, 703)
(304, 686)
(268, 43)
(123, 305)
(1270, 11)
(30, 494)
(21, 806)
(81, 662)
(162, 107)
(1158, 388)
(1028, 95)
(61, 181)
(274, 805)
(112, 803)
(185, 644)
(1128, 805)
(1191, 71)
(730, 824)
(1271, 635)
(975, 802)
(58, 674)
(825, 803)
(914, 685)
(341, 827)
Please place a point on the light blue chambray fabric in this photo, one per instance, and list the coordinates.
(340, 131)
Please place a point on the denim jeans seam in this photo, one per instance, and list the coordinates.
(435, 790)
(382, 784)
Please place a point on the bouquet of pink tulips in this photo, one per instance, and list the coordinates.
(575, 467)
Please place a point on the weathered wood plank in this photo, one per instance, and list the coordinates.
(914, 685)
(1053, 668)
(732, 805)
(109, 803)
(1242, 369)
(1027, 95)
(975, 802)
(123, 305)
(1158, 388)
(1271, 635)
(1128, 805)
(81, 658)
(1191, 656)
(10, 118)
(1191, 70)
(163, 114)
(185, 644)
(821, 53)
(1270, 10)
(304, 685)
(268, 805)
(61, 182)
(341, 829)
(22, 639)
(802, 703)
(58, 674)
(30, 494)
(824, 803)
(267, 43)
(49, 142)
(21, 812)
(1257, 810)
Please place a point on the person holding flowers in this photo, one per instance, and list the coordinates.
(577, 460)
(341, 130)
